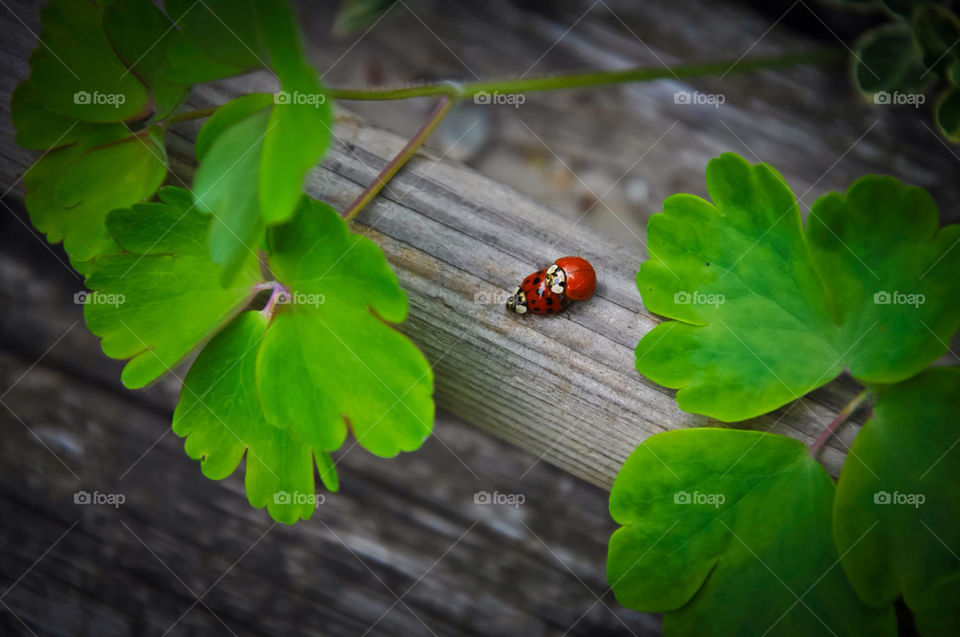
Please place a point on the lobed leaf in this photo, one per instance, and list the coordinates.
(887, 58)
(897, 511)
(71, 190)
(140, 35)
(728, 533)
(225, 185)
(158, 300)
(76, 71)
(329, 356)
(766, 311)
(947, 114)
(255, 151)
(219, 413)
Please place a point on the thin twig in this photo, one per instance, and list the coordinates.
(411, 147)
(844, 414)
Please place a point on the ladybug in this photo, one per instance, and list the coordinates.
(550, 291)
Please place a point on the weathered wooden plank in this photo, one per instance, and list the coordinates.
(130, 569)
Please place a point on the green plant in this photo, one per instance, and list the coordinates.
(765, 310)
(915, 53)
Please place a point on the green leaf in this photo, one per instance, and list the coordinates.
(225, 31)
(71, 190)
(723, 530)
(255, 151)
(897, 511)
(225, 185)
(954, 73)
(948, 114)
(39, 129)
(902, 8)
(330, 355)
(887, 59)
(300, 124)
(225, 117)
(159, 299)
(767, 311)
(219, 414)
(937, 30)
(359, 15)
(76, 71)
(140, 35)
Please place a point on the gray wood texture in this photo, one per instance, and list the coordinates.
(565, 173)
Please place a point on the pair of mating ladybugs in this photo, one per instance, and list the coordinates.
(551, 290)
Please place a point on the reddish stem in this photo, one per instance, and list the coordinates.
(842, 417)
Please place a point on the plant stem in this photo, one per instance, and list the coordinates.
(845, 413)
(411, 147)
(278, 290)
(576, 80)
(188, 115)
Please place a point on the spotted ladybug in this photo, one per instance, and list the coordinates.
(550, 291)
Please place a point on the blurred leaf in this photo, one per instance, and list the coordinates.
(359, 15)
(71, 190)
(161, 298)
(255, 151)
(954, 73)
(229, 114)
(937, 30)
(219, 413)
(897, 510)
(869, 286)
(948, 114)
(225, 185)
(902, 8)
(727, 532)
(300, 124)
(224, 31)
(140, 34)
(330, 355)
(76, 71)
(39, 129)
(887, 59)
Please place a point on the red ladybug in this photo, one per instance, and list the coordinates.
(550, 291)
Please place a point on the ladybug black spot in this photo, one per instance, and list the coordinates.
(536, 280)
(549, 301)
(526, 281)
